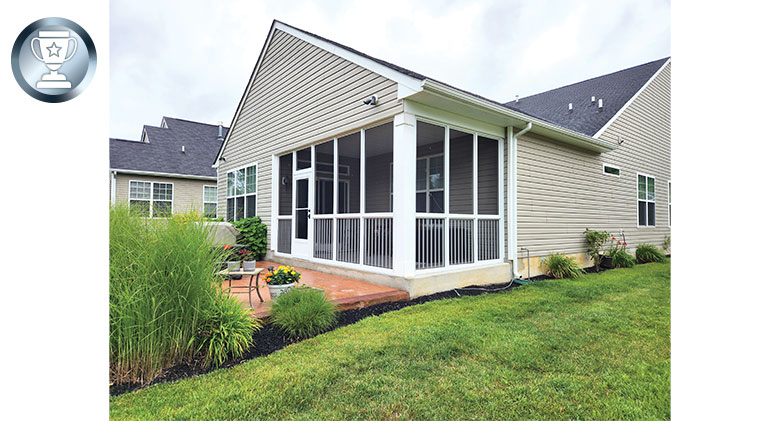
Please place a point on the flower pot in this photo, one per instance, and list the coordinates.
(606, 262)
(233, 266)
(277, 290)
(249, 265)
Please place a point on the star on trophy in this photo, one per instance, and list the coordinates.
(54, 51)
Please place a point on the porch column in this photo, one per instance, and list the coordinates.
(404, 172)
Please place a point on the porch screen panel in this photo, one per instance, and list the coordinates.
(349, 175)
(430, 168)
(487, 176)
(461, 172)
(284, 242)
(323, 179)
(379, 175)
(285, 184)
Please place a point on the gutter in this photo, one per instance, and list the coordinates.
(163, 174)
(541, 127)
(512, 194)
(113, 187)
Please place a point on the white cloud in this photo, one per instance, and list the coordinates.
(193, 59)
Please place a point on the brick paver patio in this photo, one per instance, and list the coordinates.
(347, 293)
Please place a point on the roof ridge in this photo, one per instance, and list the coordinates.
(193, 121)
(592, 78)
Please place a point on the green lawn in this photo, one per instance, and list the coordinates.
(595, 347)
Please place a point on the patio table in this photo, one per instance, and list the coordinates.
(254, 275)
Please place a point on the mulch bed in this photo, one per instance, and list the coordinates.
(269, 339)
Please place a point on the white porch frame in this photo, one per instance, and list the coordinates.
(404, 213)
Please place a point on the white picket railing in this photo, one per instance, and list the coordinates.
(430, 243)
(348, 239)
(489, 234)
(323, 238)
(461, 241)
(378, 244)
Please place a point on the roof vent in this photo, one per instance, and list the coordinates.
(517, 98)
(220, 137)
(601, 103)
(182, 148)
(592, 99)
(570, 106)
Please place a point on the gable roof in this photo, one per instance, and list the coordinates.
(582, 131)
(163, 152)
(615, 89)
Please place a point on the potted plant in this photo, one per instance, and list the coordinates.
(596, 241)
(615, 246)
(248, 259)
(281, 279)
(233, 264)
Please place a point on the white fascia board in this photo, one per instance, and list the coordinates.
(407, 85)
(540, 126)
(623, 108)
(163, 174)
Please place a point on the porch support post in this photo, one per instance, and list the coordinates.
(404, 172)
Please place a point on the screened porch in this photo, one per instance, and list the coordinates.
(339, 202)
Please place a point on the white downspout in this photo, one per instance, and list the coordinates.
(512, 194)
(113, 187)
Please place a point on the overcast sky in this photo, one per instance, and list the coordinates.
(192, 59)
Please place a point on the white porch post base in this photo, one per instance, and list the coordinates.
(404, 167)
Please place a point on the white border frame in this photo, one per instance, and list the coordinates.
(637, 199)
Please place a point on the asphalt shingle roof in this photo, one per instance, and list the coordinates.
(553, 106)
(615, 89)
(163, 152)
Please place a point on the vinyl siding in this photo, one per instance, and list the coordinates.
(562, 190)
(301, 95)
(187, 194)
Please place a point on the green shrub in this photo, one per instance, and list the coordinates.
(163, 289)
(303, 312)
(227, 331)
(561, 266)
(646, 253)
(621, 259)
(253, 233)
(597, 241)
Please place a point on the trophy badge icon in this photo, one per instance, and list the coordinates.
(54, 46)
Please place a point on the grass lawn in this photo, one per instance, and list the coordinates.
(595, 347)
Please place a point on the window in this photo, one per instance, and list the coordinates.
(669, 200)
(611, 170)
(210, 201)
(151, 199)
(241, 197)
(645, 200)
(430, 184)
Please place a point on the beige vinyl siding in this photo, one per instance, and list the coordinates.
(301, 95)
(187, 193)
(562, 190)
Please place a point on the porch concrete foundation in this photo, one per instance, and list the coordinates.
(416, 286)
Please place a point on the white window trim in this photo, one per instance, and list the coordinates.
(151, 194)
(637, 199)
(216, 202)
(604, 169)
(245, 194)
(669, 203)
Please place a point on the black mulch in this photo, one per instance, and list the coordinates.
(269, 339)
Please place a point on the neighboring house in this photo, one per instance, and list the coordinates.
(363, 168)
(169, 170)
